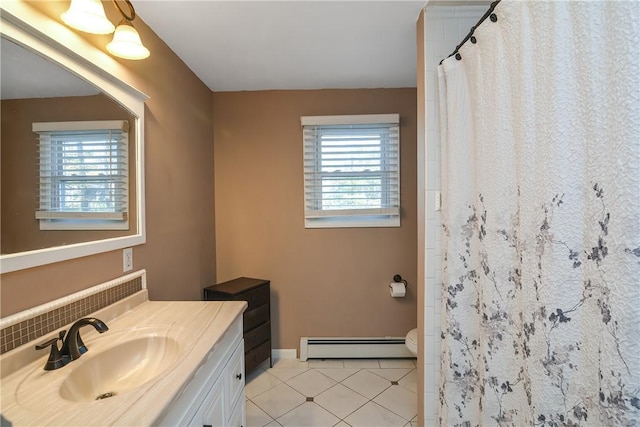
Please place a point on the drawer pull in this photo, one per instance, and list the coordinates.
(239, 376)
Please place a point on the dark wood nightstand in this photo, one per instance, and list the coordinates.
(256, 319)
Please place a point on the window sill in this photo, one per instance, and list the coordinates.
(354, 222)
(62, 224)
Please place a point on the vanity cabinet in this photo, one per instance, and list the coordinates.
(256, 319)
(215, 395)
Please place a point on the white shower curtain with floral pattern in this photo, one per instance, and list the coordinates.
(540, 127)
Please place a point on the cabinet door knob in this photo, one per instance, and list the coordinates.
(239, 376)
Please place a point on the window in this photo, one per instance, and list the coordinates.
(84, 181)
(351, 171)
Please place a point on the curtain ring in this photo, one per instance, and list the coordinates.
(458, 56)
(493, 17)
(473, 39)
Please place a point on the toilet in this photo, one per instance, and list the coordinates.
(411, 341)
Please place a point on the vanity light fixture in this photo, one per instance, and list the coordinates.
(89, 16)
(126, 42)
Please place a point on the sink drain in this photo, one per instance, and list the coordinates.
(106, 395)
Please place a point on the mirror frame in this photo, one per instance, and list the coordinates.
(39, 33)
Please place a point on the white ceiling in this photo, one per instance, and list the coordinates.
(261, 45)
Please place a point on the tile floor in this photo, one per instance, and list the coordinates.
(341, 393)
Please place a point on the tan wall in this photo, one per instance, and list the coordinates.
(325, 282)
(19, 157)
(180, 253)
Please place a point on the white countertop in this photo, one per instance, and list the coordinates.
(30, 395)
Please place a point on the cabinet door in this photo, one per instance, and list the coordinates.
(234, 376)
(237, 417)
(212, 412)
(226, 392)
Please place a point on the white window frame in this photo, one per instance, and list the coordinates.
(52, 215)
(317, 215)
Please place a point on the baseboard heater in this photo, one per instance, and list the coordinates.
(353, 348)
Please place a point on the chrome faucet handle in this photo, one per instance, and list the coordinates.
(56, 359)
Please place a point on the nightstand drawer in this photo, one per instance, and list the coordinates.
(256, 317)
(255, 297)
(256, 356)
(257, 336)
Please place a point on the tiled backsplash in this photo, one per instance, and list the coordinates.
(65, 312)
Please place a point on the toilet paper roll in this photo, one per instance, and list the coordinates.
(397, 290)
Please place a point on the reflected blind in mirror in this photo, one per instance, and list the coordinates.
(83, 174)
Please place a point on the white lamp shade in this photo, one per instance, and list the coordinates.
(126, 43)
(87, 16)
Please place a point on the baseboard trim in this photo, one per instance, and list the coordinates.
(284, 353)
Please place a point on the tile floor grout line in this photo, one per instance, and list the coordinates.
(390, 410)
(352, 412)
(340, 382)
(357, 408)
(377, 371)
(276, 419)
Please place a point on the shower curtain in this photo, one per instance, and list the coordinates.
(540, 143)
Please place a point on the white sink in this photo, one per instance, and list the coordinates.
(150, 353)
(118, 369)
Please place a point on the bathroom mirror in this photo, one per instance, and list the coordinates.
(44, 80)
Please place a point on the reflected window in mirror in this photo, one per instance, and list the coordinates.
(83, 175)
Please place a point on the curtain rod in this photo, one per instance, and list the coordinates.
(487, 14)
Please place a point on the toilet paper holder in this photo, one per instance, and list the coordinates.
(398, 279)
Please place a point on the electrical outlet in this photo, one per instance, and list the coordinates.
(127, 259)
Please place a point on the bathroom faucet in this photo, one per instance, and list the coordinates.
(73, 345)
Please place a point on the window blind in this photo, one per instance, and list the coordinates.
(352, 170)
(83, 170)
